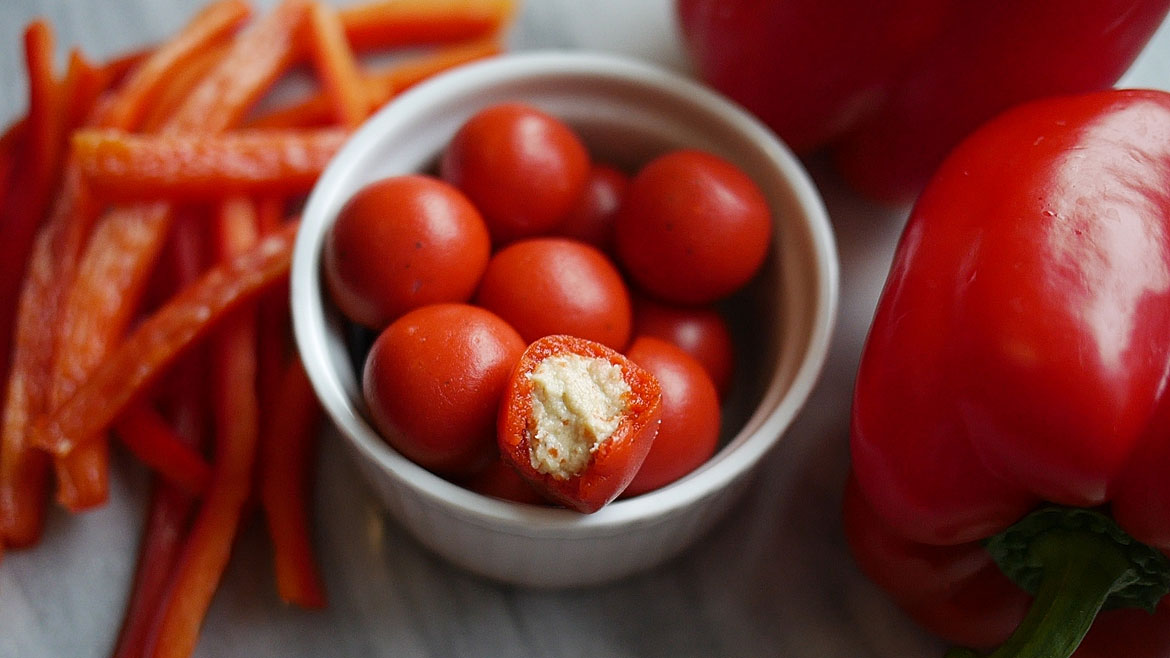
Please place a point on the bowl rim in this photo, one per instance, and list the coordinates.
(310, 321)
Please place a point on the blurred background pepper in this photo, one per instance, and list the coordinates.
(891, 86)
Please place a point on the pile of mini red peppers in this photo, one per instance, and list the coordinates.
(147, 215)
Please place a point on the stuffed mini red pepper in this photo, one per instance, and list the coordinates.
(577, 420)
(1012, 408)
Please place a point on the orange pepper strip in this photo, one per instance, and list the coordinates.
(237, 413)
(160, 339)
(285, 467)
(384, 24)
(336, 66)
(141, 89)
(381, 84)
(122, 166)
(170, 509)
(154, 443)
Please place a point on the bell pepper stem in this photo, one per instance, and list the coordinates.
(1081, 571)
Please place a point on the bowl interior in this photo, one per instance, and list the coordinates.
(626, 113)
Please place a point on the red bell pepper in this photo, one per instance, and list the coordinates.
(1012, 390)
(892, 86)
(610, 410)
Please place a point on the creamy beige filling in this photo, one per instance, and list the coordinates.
(577, 403)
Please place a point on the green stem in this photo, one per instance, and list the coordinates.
(1081, 571)
(1075, 561)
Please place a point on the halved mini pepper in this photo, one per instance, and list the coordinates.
(577, 420)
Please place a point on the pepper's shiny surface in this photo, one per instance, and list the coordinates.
(1021, 349)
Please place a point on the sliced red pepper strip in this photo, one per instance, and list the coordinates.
(273, 351)
(162, 540)
(32, 182)
(127, 242)
(179, 85)
(119, 67)
(52, 266)
(161, 338)
(23, 470)
(274, 311)
(236, 411)
(11, 151)
(203, 558)
(83, 480)
(270, 213)
(591, 467)
(336, 66)
(83, 85)
(384, 24)
(315, 111)
(257, 57)
(406, 73)
(140, 91)
(123, 167)
(101, 302)
(170, 508)
(163, 537)
(381, 84)
(154, 443)
(285, 469)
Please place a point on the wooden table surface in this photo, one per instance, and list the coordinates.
(773, 579)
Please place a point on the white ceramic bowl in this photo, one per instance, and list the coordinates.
(626, 112)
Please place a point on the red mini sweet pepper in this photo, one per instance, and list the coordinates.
(577, 420)
(892, 86)
(1012, 402)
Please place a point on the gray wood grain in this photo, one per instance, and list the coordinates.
(773, 579)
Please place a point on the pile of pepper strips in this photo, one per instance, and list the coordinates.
(147, 215)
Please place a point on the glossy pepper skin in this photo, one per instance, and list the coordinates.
(616, 460)
(892, 86)
(1020, 352)
(958, 593)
